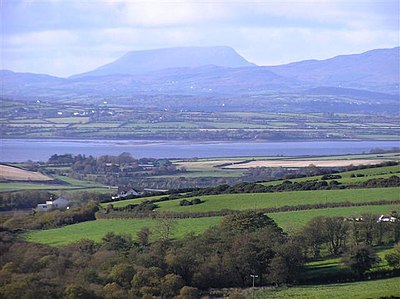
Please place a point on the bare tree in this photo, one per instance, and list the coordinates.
(165, 228)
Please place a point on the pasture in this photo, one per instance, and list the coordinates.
(64, 184)
(352, 177)
(248, 201)
(358, 290)
(95, 230)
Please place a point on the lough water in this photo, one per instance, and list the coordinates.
(18, 150)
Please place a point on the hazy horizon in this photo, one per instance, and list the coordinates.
(64, 38)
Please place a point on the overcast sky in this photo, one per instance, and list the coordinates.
(65, 37)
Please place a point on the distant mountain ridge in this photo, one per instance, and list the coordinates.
(219, 71)
(354, 71)
(141, 62)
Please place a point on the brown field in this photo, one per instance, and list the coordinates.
(202, 164)
(288, 163)
(16, 174)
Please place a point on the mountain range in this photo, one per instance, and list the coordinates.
(217, 71)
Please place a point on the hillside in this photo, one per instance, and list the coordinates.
(377, 70)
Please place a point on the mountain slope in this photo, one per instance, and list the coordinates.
(372, 76)
(140, 62)
(376, 70)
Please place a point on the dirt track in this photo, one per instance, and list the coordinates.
(305, 163)
(16, 174)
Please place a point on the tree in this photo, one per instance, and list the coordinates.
(336, 230)
(165, 228)
(143, 236)
(247, 221)
(113, 291)
(393, 258)
(74, 291)
(170, 285)
(122, 274)
(147, 281)
(278, 270)
(313, 236)
(112, 241)
(188, 293)
(360, 259)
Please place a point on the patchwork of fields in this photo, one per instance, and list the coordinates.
(119, 121)
(353, 202)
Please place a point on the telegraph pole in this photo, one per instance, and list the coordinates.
(254, 277)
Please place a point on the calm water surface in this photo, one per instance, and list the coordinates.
(18, 150)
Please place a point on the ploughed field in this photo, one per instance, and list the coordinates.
(303, 163)
(17, 174)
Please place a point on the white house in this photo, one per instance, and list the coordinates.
(59, 203)
(125, 191)
(43, 207)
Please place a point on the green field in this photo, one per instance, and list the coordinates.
(294, 220)
(369, 173)
(358, 290)
(246, 201)
(95, 230)
(72, 184)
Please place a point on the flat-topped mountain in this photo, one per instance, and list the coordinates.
(140, 62)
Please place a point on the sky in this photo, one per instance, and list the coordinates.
(66, 37)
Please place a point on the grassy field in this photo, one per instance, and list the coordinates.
(123, 203)
(71, 185)
(294, 220)
(95, 230)
(358, 290)
(369, 173)
(247, 201)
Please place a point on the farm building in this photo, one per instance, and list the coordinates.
(126, 191)
(59, 203)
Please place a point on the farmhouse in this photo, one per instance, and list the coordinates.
(59, 203)
(125, 191)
